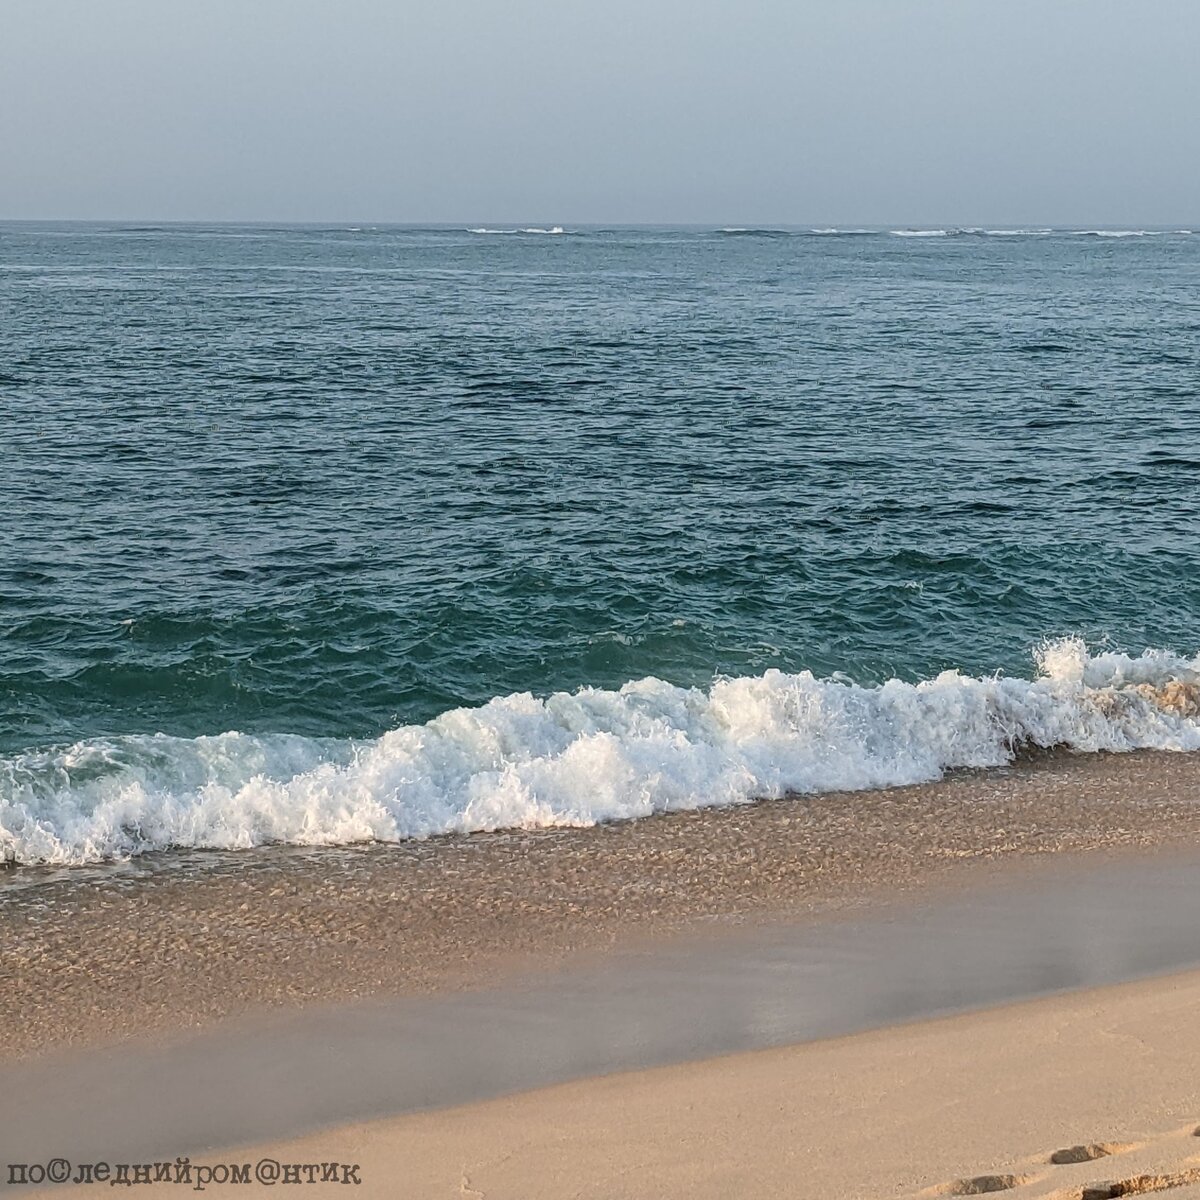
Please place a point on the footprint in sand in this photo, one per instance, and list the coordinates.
(1140, 1185)
(1133, 1185)
(981, 1185)
(1091, 1152)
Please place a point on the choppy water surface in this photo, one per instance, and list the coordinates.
(319, 485)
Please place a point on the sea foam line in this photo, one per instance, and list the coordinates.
(581, 758)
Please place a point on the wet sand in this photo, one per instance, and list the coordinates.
(181, 943)
(1063, 922)
(1072, 1098)
(1078, 1097)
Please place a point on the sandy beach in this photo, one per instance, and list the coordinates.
(951, 1107)
(1076, 1097)
(1044, 1099)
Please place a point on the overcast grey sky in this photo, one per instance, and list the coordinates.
(763, 111)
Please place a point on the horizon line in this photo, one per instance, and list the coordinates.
(468, 224)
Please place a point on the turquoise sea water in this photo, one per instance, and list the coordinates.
(313, 484)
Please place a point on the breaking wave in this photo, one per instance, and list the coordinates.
(582, 758)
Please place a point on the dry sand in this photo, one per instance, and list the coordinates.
(95, 957)
(1107, 1080)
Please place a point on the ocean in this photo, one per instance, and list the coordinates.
(320, 535)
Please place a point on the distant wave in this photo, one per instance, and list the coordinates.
(969, 231)
(750, 231)
(1115, 233)
(972, 231)
(557, 229)
(581, 758)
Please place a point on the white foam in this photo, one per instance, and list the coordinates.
(557, 229)
(577, 759)
(1116, 233)
(920, 233)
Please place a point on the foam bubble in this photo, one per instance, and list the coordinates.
(576, 759)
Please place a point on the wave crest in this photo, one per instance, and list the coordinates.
(578, 759)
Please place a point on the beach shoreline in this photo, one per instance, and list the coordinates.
(1038, 1101)
(890, 994)
(100, 956)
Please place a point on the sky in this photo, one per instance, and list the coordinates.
(617, 111)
